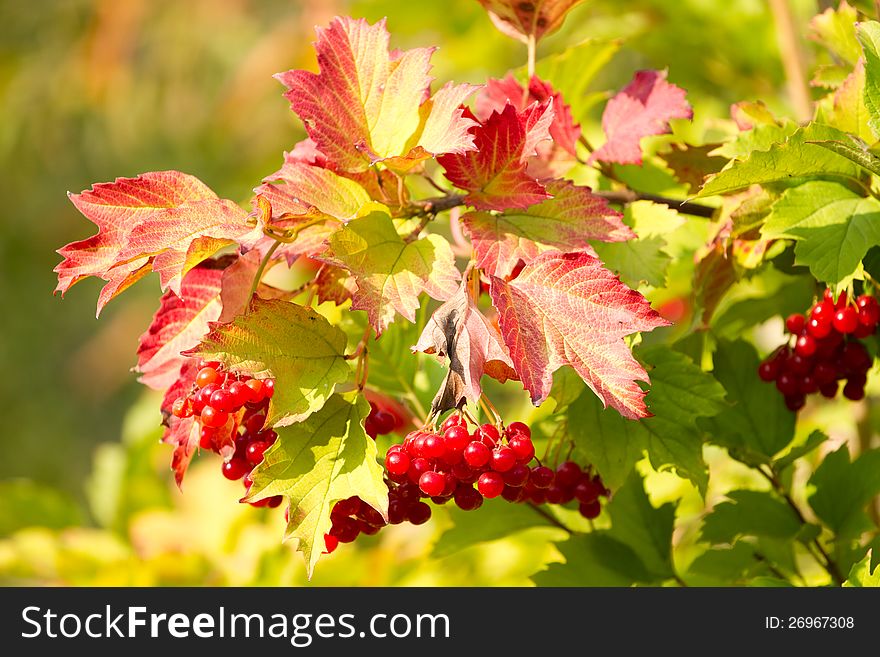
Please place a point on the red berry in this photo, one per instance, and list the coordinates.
(345, 530)
(819, 327)
(235, 469)
(385, 422)
(512, 494)
(855, 357)
(419, 513)
(522, 447)
(347, 507)
(567, 474)
(257, 390)
(206, 438)
(519, 428)
(432, 483)
(555, 494)
(269, 388)
(805, 345)
(517, 476)
(768, 370)
(488, 434)
(254, 423)
(467, 498)
(477, 454)
(397, 462)
(590, 510)
(787, 384)
(823, 309)
(828, 390)
(795, 402)
(456, 437)
(490, 484)
(795, 323)
(417, 467)
(330, 543)
(503, 459)
(241, 394)
(864, 330)
(854, 390)
(454, 420)
(808, 385)
(434, 447)
(541, 477)
(222, 400)
(587, 490)
(463, 473)
(255, 450)
(206, 376)
(824, 373)
(846, 320)
(211, 417)
(869, 310)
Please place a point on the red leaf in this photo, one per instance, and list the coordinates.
(642, 108)
(554, 157)
(369, 104)
(521, 19)
(495, 175)
(566, 222)
(459, 330)
(179, 324)
(166, 221)
(567, 309)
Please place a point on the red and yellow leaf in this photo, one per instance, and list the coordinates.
(163, 221)
(179, 324)
(391, 272)
(495, 174)
(370, 104)
(566, 222)
(567, 309)
(642, 108)
(553, 157)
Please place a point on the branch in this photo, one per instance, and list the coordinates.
(433, 206)
(792, 55)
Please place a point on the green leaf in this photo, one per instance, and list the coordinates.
(594, 559)
(795, 158)
(759, 138)
(834, 227)
(315, 463)
(861, 575)
(855, 150)
(868, 34)
(680, 394)
(836, 30)
(636, 261)
(602, 437)
(295, 345)
(843, 490)
(756, 425)
(815, 439)
(644, 528)
(750, 513)
(390, 271)
(730, 564)
(496, 519)
(845, 108)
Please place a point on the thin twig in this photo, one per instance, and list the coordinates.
(531, 46)
(553, 520)
(262, 268)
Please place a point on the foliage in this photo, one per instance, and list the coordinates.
(635, 321)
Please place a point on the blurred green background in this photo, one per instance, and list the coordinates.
(95, 89)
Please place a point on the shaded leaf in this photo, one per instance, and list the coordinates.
(691, 164)
(313, 464)
(567, 309)
(594, 559)
(566, 222)
(459, 331)
(843, 490)
(834, 227)
(642, 108)
(750, 513)
(868, 34)
(391, 272)
(294, 345)
(861, 576)
(813, 441)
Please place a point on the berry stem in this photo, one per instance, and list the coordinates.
(262, 268)
(814, 547)
(490, 409)
(553, 520)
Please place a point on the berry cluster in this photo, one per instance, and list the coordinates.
(446, 466)
(227, 404)
(825, 348)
